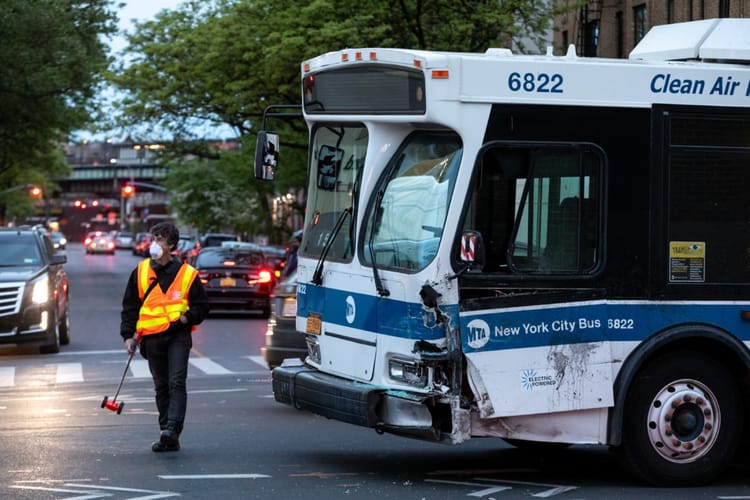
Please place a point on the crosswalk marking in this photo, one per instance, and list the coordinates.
(209, 367)
(258, 359)
(69, 372)
(7, 376)
(75, 372)
(139, 368)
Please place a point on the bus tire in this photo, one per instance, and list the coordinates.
(682, 420)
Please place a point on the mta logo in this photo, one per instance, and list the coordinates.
(478, 333)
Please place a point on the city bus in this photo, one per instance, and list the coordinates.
(551, 250)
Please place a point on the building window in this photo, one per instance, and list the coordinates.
(592, 39)
(639, 22)
(723, 8)
(670, 11)
(620, 33)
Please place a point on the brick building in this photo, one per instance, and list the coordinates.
(611, 28)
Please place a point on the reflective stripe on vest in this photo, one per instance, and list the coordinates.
(162, 308)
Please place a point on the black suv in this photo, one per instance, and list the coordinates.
(33, 290)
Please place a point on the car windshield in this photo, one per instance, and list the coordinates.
(229, 259)
(21, 251)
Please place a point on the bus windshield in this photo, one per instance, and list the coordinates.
(409, 213)
(336, 160)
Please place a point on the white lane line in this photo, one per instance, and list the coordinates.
(552, 489)
(7, 376)
(69, 373)
(216, 476)
(156, 493)
(76, 353)
(63, 490)
(486, 490)
(139, 368)
(209, 367)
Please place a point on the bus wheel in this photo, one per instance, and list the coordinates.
(682, 420)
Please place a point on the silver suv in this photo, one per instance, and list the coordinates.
(34, 290)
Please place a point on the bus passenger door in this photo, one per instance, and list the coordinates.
(533, 320)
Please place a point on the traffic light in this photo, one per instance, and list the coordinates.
(127, 191)
(35, 192)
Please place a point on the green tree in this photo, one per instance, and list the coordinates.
(52, 63)
(224, 61)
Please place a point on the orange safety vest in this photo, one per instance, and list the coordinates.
(162, 308)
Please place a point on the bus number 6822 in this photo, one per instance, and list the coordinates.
(540, 82)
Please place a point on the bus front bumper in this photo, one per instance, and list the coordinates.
(353, 402)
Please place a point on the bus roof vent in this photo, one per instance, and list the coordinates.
(493, 51)
(714, 39)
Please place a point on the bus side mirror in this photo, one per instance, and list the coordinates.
(472, 249)
(266, 155)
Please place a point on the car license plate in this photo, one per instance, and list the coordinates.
(289, 307)
(313, 324)
(227, 282)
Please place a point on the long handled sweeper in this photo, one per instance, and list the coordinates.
(113, 404)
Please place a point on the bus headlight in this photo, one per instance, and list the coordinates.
(40, 291)
(407, 372)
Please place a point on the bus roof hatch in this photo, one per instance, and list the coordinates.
(714, 39)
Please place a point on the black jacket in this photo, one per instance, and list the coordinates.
(131, 303)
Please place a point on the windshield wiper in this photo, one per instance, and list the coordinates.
(317, 278)
(382, 290)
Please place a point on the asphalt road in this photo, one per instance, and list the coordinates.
(58, 443)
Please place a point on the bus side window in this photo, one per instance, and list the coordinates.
(538, 209)
(562, 240)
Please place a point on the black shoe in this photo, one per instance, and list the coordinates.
(159, 447)
(168, 441)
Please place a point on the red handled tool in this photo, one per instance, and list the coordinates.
(113, 404)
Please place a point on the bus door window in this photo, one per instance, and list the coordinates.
(539, 208)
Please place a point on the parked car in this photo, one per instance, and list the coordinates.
(34, 291)
(236, 278)
(276, 256)
(141, 242)
(282, 338)
(99, 242)
(123, 240)
(185, 248)
(58, 240)
(216, 239)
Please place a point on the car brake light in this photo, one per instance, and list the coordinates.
(203, 277)
(265, 276)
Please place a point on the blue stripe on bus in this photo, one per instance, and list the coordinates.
(374, 314)
(592, 322)
(513, 328)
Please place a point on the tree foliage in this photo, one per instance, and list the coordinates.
(225, 60)
(52, 61)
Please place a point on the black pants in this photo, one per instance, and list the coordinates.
(167, 355)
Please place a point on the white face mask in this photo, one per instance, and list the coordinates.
(156, 251)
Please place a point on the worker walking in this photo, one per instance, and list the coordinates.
(163, 301)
